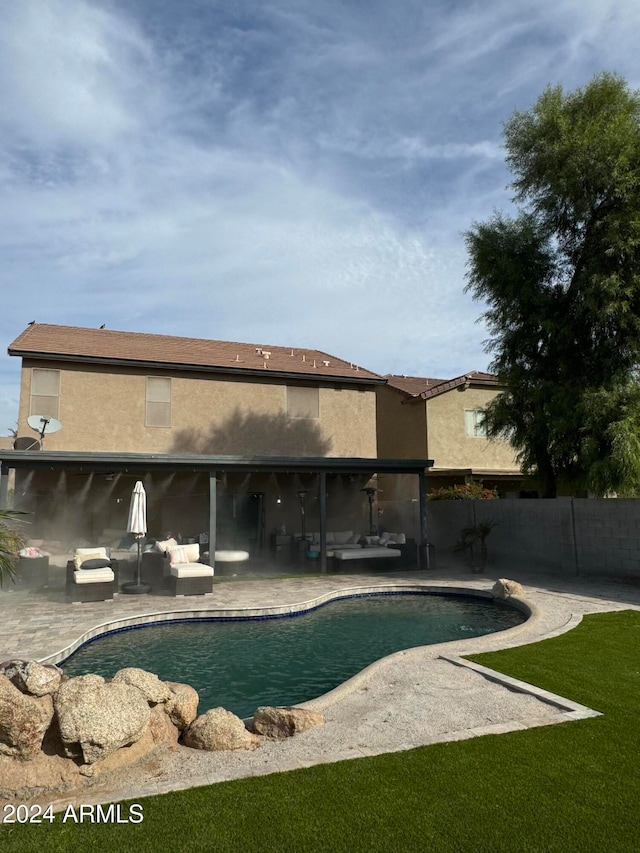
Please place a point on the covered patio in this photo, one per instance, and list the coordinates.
(284, 512)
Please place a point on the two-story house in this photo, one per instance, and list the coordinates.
(442, 419)
(244, 438)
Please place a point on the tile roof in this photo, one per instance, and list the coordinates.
(412, 385)
(418, 386)
(41, 340)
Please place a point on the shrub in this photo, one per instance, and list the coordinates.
(466, 492)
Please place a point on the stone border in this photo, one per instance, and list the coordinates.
(144, 620)
(322, 702)
(570, 710)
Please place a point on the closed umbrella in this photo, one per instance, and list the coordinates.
(137, 525)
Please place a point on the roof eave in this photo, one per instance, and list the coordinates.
(105, 462)
(200, 368)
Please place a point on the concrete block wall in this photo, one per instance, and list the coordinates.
(608, 536)
(567, 536)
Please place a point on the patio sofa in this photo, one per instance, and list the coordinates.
(349, 550)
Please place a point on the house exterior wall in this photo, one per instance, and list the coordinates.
(102, 408)
(447, 442)
(402, 428)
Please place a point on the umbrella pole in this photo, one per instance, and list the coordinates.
(137, 587)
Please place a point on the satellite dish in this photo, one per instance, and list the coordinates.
(26, 442)
(43, 424)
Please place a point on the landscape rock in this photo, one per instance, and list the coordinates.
(154, 690)
(219, 729)
(23, 720)
(503, 588)
(182, 707)
(161, 727)
(285, 722)
(31, 677)
(96, 718)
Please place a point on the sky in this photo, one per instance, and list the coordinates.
(279, 172)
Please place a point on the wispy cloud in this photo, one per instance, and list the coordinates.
(291, 172)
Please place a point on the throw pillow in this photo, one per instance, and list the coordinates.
(184, 554)
(30, 552)
(384, 539)
(83, 554)
(164, 545)
(97, 563)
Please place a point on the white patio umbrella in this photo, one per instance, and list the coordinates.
(137, 524)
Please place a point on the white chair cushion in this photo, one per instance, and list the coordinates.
(184, 554)
(164, 545)
(191, 570)
(82, 554)
(93, 576)
(231, 556)
(371, 553)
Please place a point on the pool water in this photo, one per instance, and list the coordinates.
(243, 664)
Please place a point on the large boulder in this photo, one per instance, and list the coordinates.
(285, 722)
(23, 720)
(503, 588)
(161, 728)
(219, 729)
(31, 677)
(153, 690)
(96, 718)
(182, 706)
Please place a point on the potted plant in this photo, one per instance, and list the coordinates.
(473, 544)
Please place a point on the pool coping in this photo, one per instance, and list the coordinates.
(143, 620)
(569, 710)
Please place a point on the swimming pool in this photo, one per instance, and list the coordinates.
(241, 664)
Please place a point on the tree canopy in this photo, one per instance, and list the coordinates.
(561, 285)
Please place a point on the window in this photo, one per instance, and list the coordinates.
(158, 413)
(303, 402)
(474, 423)
(45, 392)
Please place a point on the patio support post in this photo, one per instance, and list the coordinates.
(213, 514)
(423, 550)
(323, 521)
(4, 486)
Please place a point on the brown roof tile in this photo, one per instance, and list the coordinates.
(418, 386)
(413, 385)
(68, 342)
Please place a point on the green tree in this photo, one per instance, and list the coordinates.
(561, 282)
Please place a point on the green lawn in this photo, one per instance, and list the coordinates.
(569, 787)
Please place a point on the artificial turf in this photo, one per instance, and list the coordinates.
(568, 787)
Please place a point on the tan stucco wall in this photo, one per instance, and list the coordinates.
(103, 409)
(402, 430)
(447, 443)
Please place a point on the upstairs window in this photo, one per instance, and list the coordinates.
(45, 392)
(474, 423)
(158, 408)
(303, 402)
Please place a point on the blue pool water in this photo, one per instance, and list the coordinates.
(243, 664)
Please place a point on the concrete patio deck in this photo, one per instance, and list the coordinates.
(410, 699)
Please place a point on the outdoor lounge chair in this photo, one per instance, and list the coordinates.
(91, 575)
(187, 575)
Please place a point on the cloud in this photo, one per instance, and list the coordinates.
(291, 172)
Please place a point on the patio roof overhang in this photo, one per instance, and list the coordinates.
(65, 460)
(57, 460)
